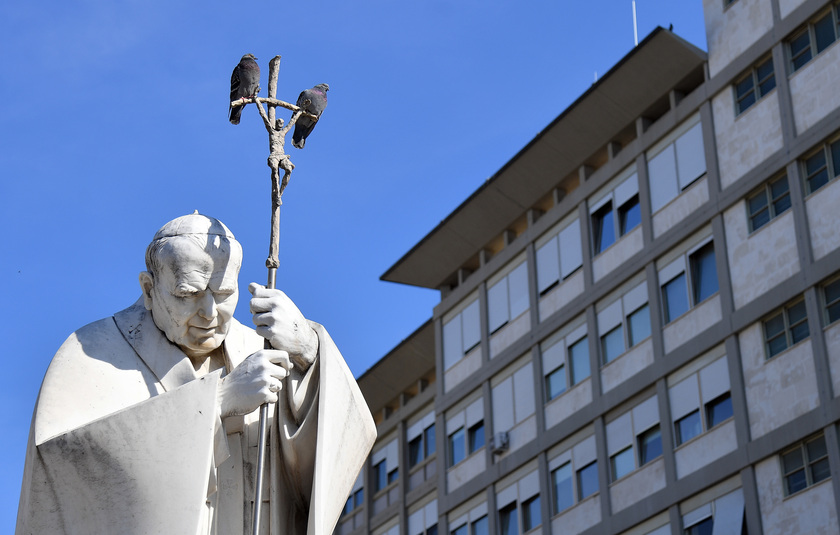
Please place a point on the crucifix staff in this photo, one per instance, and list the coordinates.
(277, 160)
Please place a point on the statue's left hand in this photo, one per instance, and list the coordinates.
(278, 320)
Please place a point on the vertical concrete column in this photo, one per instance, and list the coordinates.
(603, 467)
(727, 300)
(492, 514)
(482, 317)
(675, 520)
(583, 215)
(800, 219)
(594, 352)
(441, 458)
(707, 122)
(783, 92)
(818, 347)
(367, 501)
(752, 509)
(655, 312)
(738, 391)
(545, 492)
(831, 442)
(441, 371)
(487, 394)
(539, 392)
(402, 484)
(533, 292)
(666, 431)
(644, 199)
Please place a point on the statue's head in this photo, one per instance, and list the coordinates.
(190, 285)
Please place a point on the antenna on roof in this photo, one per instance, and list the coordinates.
(635, 26)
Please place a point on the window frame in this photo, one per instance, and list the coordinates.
(624, 188)
(807, 464)
(527, 518)
(755, 89)
(809, 29)
(787, 328)
(826, 304)
(690, 275)
(508, 298)
(765, 191)
(831, 167)
(578, 480)
(555, 495)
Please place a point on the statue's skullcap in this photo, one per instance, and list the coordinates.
(194, 223)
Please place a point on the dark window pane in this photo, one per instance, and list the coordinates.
(746, 101)
(479, 527)
(508, 523)
(766, 78)
(393, 475)
(460, 530)
(612, 344)
(774, 326)
(704, 273)
(688, 427)
(796, 481)
(380, 476)
(816, 449)
(603, 227)
(587, 480)
(719, 410)
(831, 292)
(555, 383)
(347, 506)
(630, 215)
(701, 528)
(757, 202)
(359, 497)
(776, 345)
(800, 50)
(639, 322)
(824, 32)
(433, 530)
(675, 297)
(744, 87)
(579, 359)
(792, 460)
(561, 479)
(650, 445)
(835, 157)
(477, 436)
(415, 450)
(622, 463)
(816, 171)
(531, 516)
(429, 439)
(798, 321)
(760, 219)
(457, 447)
(820, 470)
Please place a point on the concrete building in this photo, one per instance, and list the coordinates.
(637, 331)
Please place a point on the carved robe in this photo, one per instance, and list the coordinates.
(126, 438)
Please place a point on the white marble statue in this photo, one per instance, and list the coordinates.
(146, 421)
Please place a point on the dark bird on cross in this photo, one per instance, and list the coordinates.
(313, 101)
(244, 83)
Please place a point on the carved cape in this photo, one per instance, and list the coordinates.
(126, 438)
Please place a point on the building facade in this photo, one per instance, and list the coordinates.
(638, 327)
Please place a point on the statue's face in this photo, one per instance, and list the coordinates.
(194, 296)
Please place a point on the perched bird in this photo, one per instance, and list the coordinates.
(313, 101)
(244, 83)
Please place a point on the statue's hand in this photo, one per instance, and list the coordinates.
(255, 381)
(278, 320)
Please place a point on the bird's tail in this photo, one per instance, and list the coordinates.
(234, 114)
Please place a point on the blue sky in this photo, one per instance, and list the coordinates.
(114, 121)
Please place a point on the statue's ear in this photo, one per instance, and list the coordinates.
(147, 282)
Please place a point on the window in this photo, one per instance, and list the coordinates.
(821, 166)
(587, 479)
(754, 85)
(393, 475)
(805, 464)
(650, 445)
(785, 328)
(606, 225)
(531, 515)
(508, 521)
(561, 483)
(421, 446)
(679, 293)
(354, 501)
(603, 227)
(507, 299)
(701, 400)
(460, 530)
(479, 527)
(457, 447)
(461, 334)
(812, 39)
(612, 344)
(704, 527)
(579, 360)
(380, 476)
(771, 200)
(555, 382)
(476, 437)
(831, 300)
(560, 256)
(675, 298)
(688, 427)
(718, 410)
(676, 166)
(639, 325)
(622, 463)
(703, 272)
